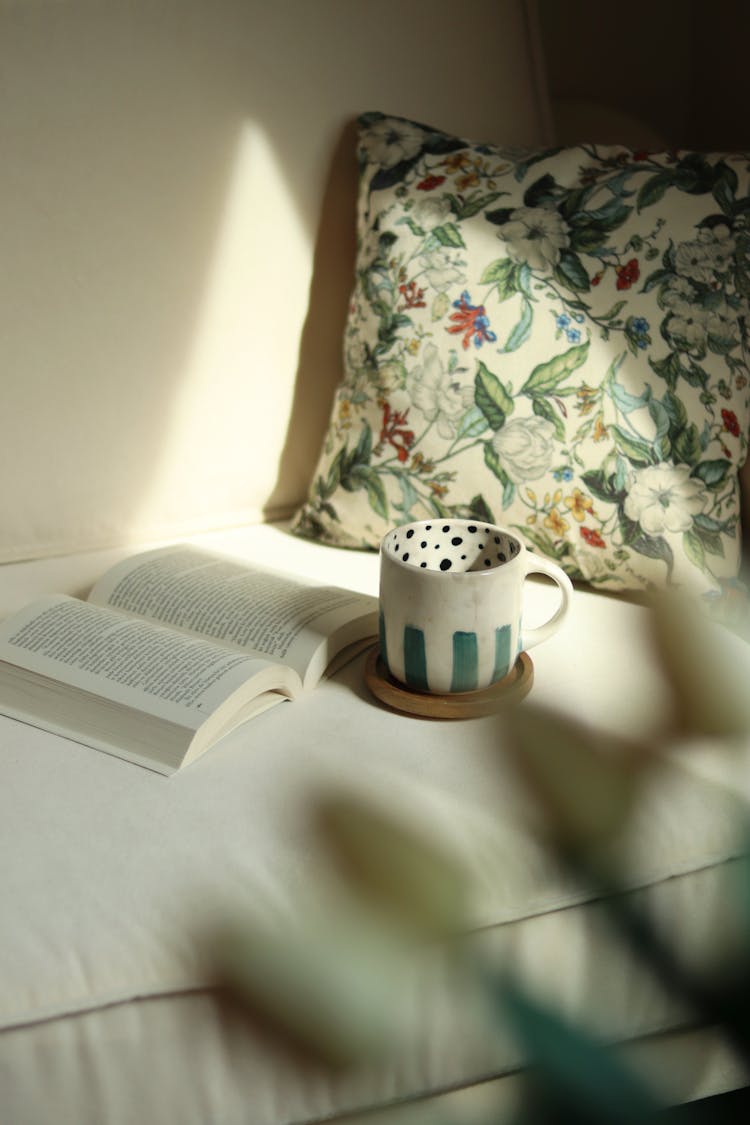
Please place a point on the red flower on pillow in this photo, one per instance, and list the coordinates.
(731, 425)
(593, 538)
(429, 183)
(628, 274)
(393, 432)
(471, 322)
(413, 295)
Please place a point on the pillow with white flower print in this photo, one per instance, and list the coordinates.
(555, 341)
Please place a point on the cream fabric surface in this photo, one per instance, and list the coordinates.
(178, 223)
(169, 1059)
(115, 873)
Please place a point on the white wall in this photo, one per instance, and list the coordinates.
(166, 202)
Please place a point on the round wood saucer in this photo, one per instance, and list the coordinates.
(455, 705)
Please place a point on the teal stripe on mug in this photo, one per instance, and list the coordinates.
(465, 662)
(415, 661)
(502, 652)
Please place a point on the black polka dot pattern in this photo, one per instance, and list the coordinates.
(457, 546)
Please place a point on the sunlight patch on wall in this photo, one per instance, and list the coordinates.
(230, 412)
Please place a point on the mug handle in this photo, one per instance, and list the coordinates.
(538, 565)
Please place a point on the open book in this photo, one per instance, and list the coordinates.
(172, 649)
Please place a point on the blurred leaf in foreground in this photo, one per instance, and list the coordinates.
(585, 783)
(336, 981)
(573, 1078)
(394, 866)
(707, 670)
(332, 985)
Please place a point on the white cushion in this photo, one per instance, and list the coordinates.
(116, 873)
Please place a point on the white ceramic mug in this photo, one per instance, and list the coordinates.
(451, 598)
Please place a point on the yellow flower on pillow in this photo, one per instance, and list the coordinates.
(579, 504)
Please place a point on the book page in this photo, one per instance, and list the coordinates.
(164, 673)
(238, 605)
(93, 720)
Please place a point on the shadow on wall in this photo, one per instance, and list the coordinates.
(322, 335)
(675, 69)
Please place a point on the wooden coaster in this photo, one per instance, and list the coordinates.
(455, 705)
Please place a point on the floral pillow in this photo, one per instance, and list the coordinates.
(555, 341)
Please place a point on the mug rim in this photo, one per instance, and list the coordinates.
(454, 575)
